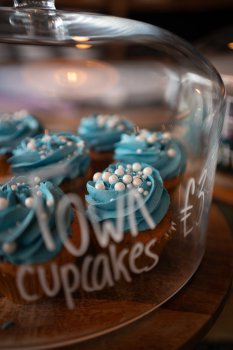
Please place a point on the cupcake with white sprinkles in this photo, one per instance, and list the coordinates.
(144, 213)
(158, 149)
(55, 157)
(101, 132)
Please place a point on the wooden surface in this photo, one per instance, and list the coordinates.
(223, 189)
(185, 319)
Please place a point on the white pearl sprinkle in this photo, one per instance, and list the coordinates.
(106, 175)
(120, 127)
(129, 186)
(50, 203)
(101, 120)
(97, 176)
(69, 143)
(119, 186)
(151, 139)
(9, 247)
(14, 187)
(167, 135)
(42, 156)
(37, 179)
(119, 172)
(62, 138)
(148, 183)
(120, 167)
(137, 167)
(3, 203)
(80, 143)
(145, 193)
(171, 152)
(127, 179)
(112, 123)
(140, 137)
(113, 179)
(29, 202)
(140, 190)
(100, 186)
(31, 145)
(46, 138)
(137, 182)
(139, 151)
(147, 171)
(129, 166)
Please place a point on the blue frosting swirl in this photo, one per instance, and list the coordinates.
(101, 132)
(45, 151)
(14, 128)
(154, 148)
(21, 241)
(104, 193)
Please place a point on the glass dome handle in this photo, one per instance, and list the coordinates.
(35, 4)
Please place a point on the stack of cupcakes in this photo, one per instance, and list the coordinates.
(148, 166)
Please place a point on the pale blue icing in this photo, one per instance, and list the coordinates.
(19, 224)
(101, 132)
(103, 202)
(66, 149)
(15, 127)
(137, 148)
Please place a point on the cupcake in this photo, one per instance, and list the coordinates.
(101, 132)
(55, 157)
(158, 149)
(21, 240)
(14, 127)
(131, 198)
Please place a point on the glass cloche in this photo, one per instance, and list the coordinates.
(217, 47)
(109, 133)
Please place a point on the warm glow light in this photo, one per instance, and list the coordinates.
(83, 46)
(198, 91)
(66, 78)
(81, 39)
(230, 45)
(72, 77)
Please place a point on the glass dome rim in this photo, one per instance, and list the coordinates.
(150, 31)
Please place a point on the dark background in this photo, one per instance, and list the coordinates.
(190, 19)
